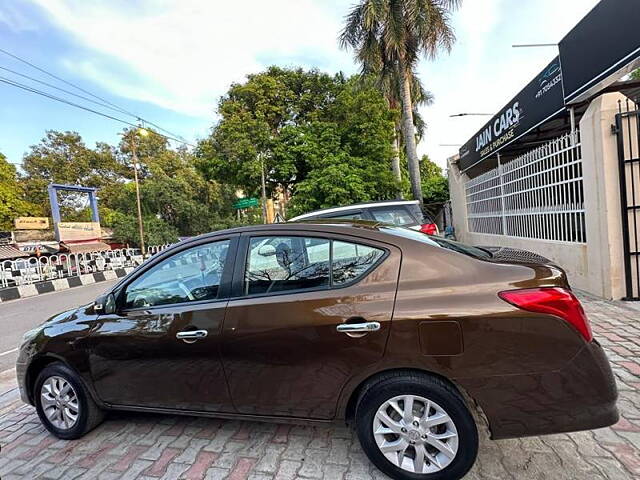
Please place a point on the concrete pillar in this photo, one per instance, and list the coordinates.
(458, 199)
(601, 179)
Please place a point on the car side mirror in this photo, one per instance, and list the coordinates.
(105, 304)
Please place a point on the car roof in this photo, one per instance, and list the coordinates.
(385, 203)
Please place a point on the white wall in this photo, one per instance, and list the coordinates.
(597, 266)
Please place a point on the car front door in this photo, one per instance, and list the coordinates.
(282, 349)
(161, 347)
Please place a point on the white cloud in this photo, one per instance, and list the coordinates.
(14, 19)
(183, 55)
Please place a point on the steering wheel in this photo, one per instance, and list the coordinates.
(186, 291)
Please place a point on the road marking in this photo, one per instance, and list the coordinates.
(8, 352)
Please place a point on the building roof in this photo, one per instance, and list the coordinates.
(7, 252)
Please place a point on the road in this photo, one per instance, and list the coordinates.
(19, 316)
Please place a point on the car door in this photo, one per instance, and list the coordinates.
(161, 347)
(282, 349)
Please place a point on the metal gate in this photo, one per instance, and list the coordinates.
(627, 129)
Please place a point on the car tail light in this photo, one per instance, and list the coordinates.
(429, 228)
(553, 301)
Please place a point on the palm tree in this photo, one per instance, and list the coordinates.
(389, 37)
(387, 82)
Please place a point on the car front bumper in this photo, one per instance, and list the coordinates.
(580, 396)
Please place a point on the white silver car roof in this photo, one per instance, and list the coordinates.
(354, 207)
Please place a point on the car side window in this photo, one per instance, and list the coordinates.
(188, 276)
(276, 264)
(393, 215)
(352, 261)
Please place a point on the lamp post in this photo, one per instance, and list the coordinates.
(470, 115)
(132, 143)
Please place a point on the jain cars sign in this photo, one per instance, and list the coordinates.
(540, 100)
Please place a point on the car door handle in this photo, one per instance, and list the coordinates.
(358, 327)
(191, 336)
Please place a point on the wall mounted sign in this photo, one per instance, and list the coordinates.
(603, 46)
(69, 231)
(540, 100)
(31, 223)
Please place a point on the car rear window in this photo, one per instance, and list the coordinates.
(436, 241)
(397, 215)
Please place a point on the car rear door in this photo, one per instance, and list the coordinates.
(282, 349)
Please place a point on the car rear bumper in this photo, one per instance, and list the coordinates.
(581, 396)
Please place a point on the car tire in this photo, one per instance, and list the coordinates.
(64, 405)
(408, 439)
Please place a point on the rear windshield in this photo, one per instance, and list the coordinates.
(396, 215)
(437, 242)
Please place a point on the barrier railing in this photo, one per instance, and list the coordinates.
(25, 271)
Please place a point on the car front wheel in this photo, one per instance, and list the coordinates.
(416, 427)
(64, 405)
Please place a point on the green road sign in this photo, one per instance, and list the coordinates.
(246, 203)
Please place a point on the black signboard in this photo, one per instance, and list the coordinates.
(594, 51)
(540, 100)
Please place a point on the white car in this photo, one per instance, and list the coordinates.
(404, 213)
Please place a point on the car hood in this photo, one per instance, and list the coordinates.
(66, 316)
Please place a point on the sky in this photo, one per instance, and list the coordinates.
(169, 61)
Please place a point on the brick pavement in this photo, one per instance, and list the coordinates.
(145, 447)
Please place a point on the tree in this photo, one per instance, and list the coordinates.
(389, 37)
(435, 186)
(62, 157)
(635, 75)
(306, 127)
(13, 202)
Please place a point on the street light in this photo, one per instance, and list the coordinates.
(143, 132)
(471, 115)
(534, 45)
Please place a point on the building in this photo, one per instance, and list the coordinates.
(557, 170)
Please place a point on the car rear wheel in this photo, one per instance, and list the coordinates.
(64, 405)
(416, 427)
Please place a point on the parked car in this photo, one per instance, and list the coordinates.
(404, 213)
(400, 334)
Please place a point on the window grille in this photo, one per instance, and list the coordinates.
(536, 195)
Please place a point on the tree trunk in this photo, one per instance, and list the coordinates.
(395, 162)
(408, 133)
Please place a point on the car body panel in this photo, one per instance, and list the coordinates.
(282, 353)
(530, 373)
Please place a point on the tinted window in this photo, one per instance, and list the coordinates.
(276, 264)
(346, 215)
(394, 215)
(438, 242)
(188, 276)
(352, 261)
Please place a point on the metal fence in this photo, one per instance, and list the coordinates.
(536, 195)
(628, 130)
(25, 271)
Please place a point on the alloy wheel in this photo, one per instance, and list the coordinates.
(59, 402)
(415, 434)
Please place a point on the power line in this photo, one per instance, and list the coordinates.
(58, 88)
(82, 107)
(120, 109)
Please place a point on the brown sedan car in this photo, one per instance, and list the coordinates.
(400, 334)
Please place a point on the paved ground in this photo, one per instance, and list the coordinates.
(18, 316)
(134, 446)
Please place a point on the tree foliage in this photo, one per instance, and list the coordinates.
(324, 139)
(13, 199)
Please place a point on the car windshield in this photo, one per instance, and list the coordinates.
(437, 241)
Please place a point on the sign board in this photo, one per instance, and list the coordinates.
(78, 231)
(603, 46)
(540, 100)
(246, 203)
(31, 223)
